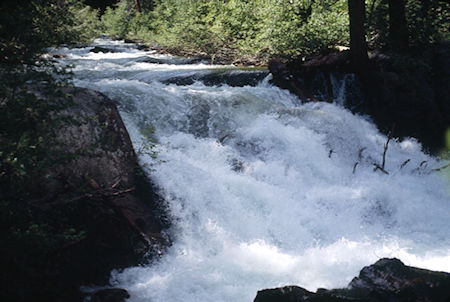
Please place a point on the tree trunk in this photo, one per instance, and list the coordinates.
(138, 5)
(398, 30)
(358, 45)
(371, 10)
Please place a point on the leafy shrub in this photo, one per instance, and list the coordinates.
(116, 20)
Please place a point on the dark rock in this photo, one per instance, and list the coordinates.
(110, 295)
(283, 294)
(216, 78)
(172, 61)
(143, 47)
(98, 190)
(386, 280)
(58, 55)
(389, 279)
(98, 49)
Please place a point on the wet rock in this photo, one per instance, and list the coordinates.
(110, 295)
(98, 49)
(390, 279)
(386, 280)
(58, 55)
(96, 189)
(283, 294)
(143, 47)
(173, 60)
(130, 41)
(216, 78)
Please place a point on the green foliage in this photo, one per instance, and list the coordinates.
(28, 123)
(257, 28)
(116, 20)
(26, 27)
(261, 28)
(25, 124)
(428, 22)
(87, 25)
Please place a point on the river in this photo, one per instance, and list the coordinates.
(262, 189)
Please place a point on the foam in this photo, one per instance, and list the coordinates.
(256, 198)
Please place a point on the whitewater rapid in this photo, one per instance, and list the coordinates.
(264, 190)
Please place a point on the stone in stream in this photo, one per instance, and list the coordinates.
(233, 78)
(171, 60)
(94, 188)
(98, 49)
(386, 280)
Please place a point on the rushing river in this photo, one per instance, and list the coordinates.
(263, 190)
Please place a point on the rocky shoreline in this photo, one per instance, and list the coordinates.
(386, 280)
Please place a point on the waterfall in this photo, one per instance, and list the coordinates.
(262, 189)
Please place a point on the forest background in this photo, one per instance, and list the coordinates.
(254, 29)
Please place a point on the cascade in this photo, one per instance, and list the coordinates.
(262, 189)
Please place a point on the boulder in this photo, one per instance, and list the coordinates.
(391, 280)
(95, 196)
(233, 78)
(98, 49)
(386, 280)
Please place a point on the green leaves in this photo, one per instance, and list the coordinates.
(257, 28)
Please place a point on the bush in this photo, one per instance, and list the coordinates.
(236, 27)
(116, 20)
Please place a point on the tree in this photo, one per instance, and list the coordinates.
(398, 29)
(358, 45)
(137, 4)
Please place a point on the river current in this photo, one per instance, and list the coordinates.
(264, 190)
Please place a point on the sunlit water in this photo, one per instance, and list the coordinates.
(256, 198)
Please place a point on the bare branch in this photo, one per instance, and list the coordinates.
(441, 168)
(386, 145)
(378, 167)
(331, 152)
(405, 163)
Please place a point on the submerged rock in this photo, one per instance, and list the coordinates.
(386, 280)
(110, 295)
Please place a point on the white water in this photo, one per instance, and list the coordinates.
(255, 198)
